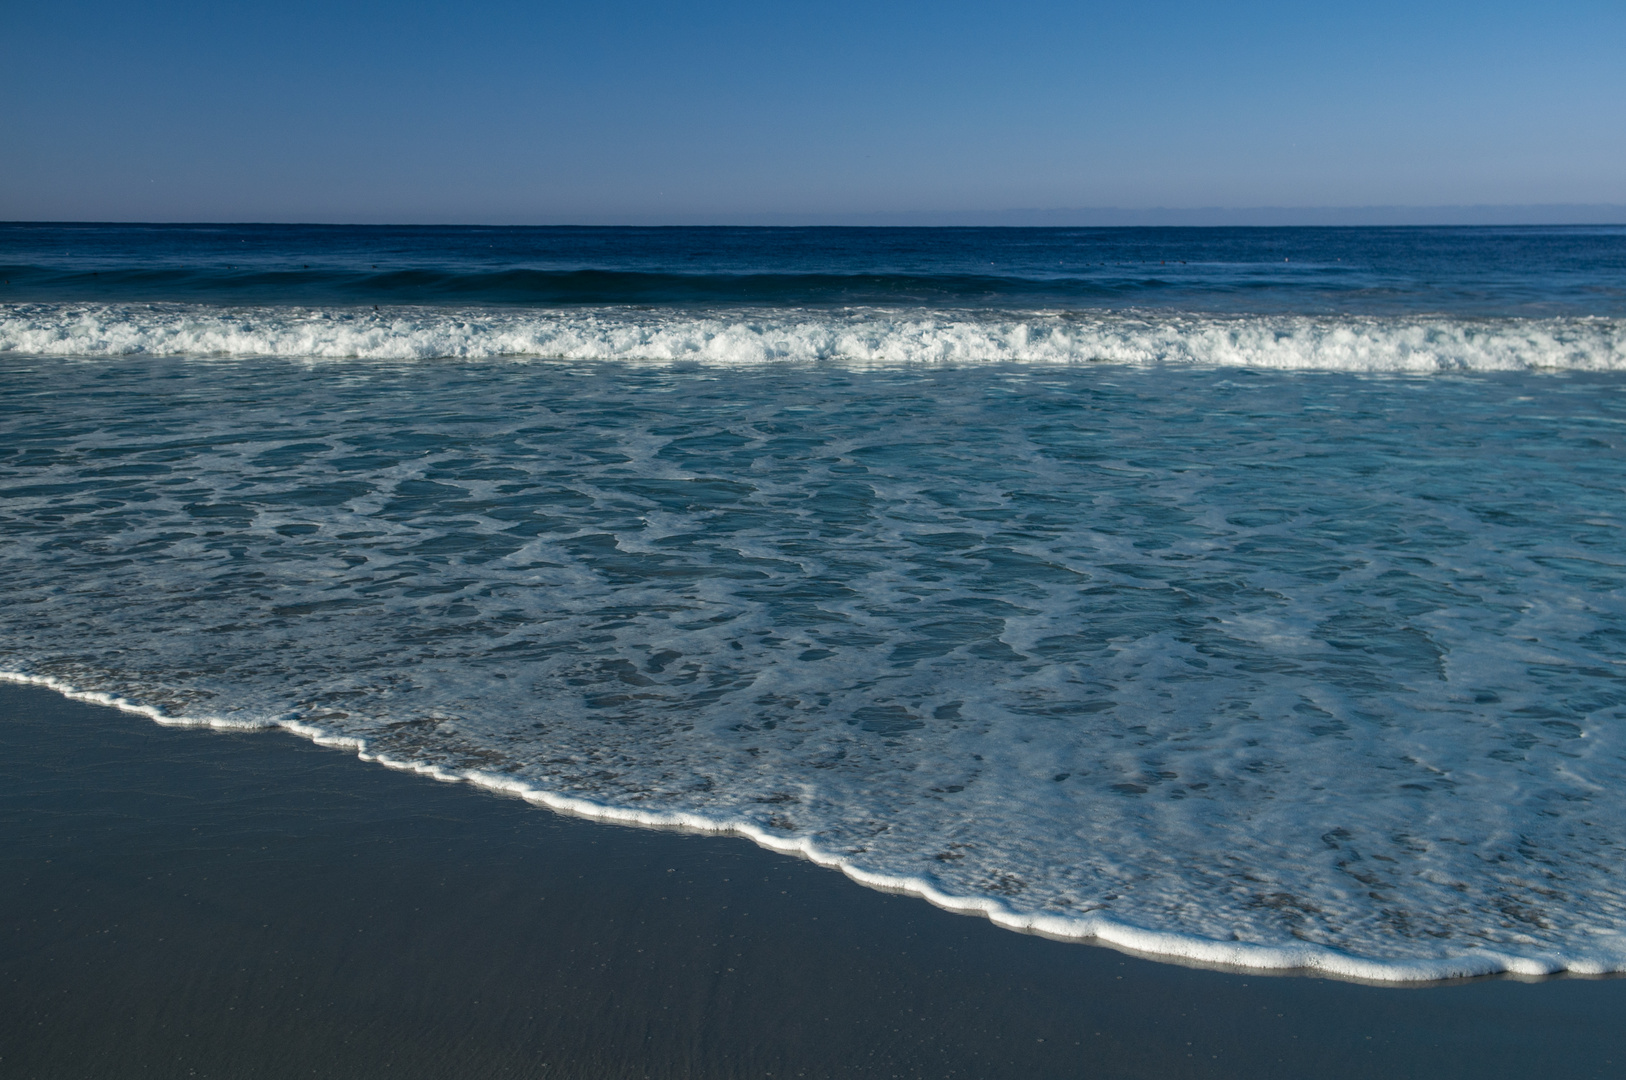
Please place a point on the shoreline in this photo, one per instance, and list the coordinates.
(244, 906)
(1099, 931)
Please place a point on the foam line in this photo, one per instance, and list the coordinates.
(1094, 929)
(863, 338)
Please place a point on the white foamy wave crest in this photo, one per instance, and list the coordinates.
(855, 337)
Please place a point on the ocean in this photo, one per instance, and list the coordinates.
(1248, 597)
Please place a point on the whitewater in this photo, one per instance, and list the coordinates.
(858, 337)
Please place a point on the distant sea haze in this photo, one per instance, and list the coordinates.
(1252, 596)
(1464, 214)
(1216, 216)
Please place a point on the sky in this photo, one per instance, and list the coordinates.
(645, 112)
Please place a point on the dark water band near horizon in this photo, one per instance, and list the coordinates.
(1249, 597)
(1486, 271)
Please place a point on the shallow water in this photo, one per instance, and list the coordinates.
(1271, 668)
(251, 906)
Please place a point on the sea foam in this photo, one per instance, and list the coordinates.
(1278, 672)
(860, 338)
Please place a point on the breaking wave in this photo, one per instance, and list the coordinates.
(859, 337)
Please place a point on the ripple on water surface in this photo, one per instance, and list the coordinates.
(1275, 669)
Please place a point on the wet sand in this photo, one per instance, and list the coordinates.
(190, 903)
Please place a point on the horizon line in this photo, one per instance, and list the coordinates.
(1394, 215)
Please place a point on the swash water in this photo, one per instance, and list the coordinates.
(1246, 596)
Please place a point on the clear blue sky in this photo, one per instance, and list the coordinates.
(631, 110)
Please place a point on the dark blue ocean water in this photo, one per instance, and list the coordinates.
(1497, 271)
(1250, 596)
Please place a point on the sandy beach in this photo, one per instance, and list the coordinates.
(190, 903)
